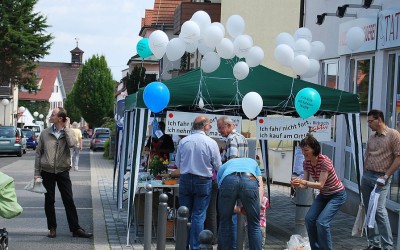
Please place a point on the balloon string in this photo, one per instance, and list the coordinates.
(340, 98)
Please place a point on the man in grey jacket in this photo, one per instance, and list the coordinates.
(52, 164)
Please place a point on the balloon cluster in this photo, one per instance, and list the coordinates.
(299, 52)
(209, 39)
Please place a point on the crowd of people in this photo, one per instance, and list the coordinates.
(217, 183)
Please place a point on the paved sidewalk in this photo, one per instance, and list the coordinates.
(280, 216)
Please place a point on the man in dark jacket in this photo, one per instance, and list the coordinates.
(52, 164)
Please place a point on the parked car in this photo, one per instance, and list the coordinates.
(11, 141)
(37, 129)
(31, 141)
(98, 140)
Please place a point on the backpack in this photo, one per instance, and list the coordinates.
(9, 207)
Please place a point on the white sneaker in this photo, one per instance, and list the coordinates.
(76, 168)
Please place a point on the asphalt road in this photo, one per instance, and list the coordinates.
(28, 231)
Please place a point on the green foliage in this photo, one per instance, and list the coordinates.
(106, 153)
(95, 91)
(110, 123)
(135, 80)
(72, 110)
(23, 40)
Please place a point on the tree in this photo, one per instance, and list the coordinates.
(135, 80)
(72, 110)
(22, 42)
(94, 90)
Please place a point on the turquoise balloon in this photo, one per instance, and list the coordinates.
(307, 102)
(156, 96)
(143, 49)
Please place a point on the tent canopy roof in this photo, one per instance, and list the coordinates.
(221, 93)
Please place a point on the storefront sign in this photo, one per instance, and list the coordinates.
(370, 30)
(180, 123)
(389, 29)
(292, 129)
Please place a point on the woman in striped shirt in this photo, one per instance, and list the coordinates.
(331, 196)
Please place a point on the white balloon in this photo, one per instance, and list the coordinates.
(191, 47)
(158, 42)
(241, 70)
(284, 38)
(219, 25)
(210, 62)
(201, 103)
(225, 49)
(317, 50)
(190, 32)
(284, 54)
(313, 69)
(252, 104)
(302, 47)
(235, 25)
(203, 48)
(213, 35)
(242, 45)
(355, 38)
(255, 56)
(300, 64)
(202, 19)
(175, 49)
(303, 33)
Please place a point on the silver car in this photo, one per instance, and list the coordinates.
(98, 140)
(11, 141)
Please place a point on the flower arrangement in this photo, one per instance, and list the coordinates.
(158, 165)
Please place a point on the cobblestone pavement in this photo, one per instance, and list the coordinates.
(280, 216)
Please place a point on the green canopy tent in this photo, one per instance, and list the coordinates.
(222, 94)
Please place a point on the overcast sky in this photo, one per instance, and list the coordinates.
(103, 27)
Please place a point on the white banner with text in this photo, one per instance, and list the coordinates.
(180, 123)
(292, 129)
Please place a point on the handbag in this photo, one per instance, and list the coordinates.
(372, 206)
(358, 227)
(36, 186)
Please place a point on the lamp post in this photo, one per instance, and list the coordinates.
(41, 119)
(21, 110)
(35, 114)
(5, 102)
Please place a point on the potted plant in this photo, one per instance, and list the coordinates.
(158, 165)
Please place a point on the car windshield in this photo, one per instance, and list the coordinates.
(27, 133)
(7, 133)
(33, 128)
(104, 135)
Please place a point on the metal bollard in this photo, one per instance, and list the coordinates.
(304, 199)
(148, 213)
(162, 221)
(182, 228)
(240, 234)
(205, 240)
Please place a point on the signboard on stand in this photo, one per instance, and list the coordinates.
(180, 123)
(292, 129)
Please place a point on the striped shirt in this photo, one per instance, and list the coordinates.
(332, 184)
(382, 149)
(236, 147)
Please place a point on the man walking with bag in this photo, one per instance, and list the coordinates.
(382, 158)
(52, 164)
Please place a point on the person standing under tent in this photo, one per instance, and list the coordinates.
(382, 159)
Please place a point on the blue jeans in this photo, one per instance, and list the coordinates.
(381, 234)
(319, 217)
(232, 188)
(195, 194)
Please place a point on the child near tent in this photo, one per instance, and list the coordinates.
(263, 216)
